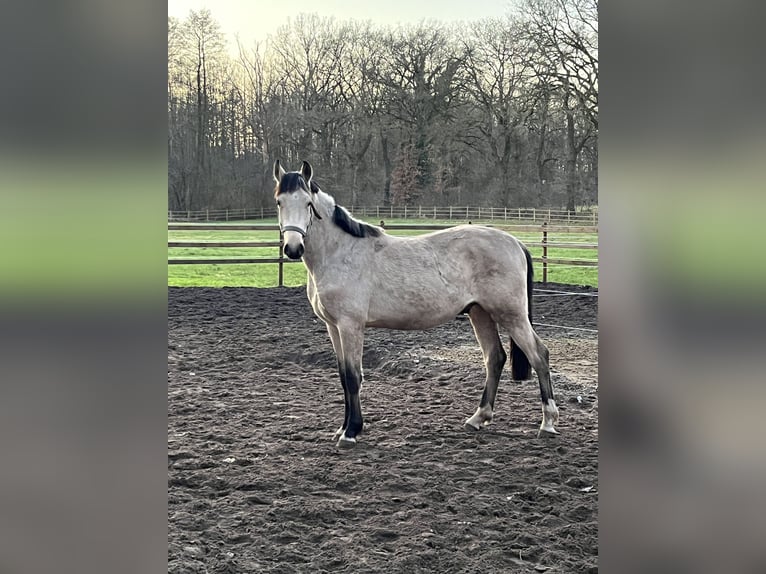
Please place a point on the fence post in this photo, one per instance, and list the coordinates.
(405, 211)
(505, 213)
(545, 252)
(420, 212)
(534, 215)
(450, 212)
(434, 212)
(377, 212)
(281, 278)
(594, 218)
(227, 214)
(519, 214)
(549, 214)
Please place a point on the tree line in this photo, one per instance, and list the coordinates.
(502, 111)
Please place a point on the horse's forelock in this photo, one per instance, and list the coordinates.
(292, 182)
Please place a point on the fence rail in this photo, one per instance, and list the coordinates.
(544, 229)
(533, 214)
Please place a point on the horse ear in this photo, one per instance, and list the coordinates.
(306, 172)
(278, 171)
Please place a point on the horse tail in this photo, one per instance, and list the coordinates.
(520, 370)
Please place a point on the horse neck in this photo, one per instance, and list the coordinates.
(325, 239)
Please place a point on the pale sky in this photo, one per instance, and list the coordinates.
(253, 20)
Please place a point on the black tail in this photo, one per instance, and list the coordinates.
(519, 363)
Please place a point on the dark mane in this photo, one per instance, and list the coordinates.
(343, 219)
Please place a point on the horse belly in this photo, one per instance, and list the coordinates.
(406, 316)
(410, 323)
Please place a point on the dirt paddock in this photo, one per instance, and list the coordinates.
(256, 484)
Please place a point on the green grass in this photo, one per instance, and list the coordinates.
(235, 275)
(265, 274)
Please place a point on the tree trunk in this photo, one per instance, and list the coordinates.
(505, 168)
(540, 160)
(387, 168)
(571, 163)
(356, 161)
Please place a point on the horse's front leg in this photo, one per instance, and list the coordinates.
(352, 343)
(335, 338)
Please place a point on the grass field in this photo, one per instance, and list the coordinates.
(265, 274)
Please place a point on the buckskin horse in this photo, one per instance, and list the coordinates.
(359, 276)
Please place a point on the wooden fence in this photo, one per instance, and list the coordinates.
(544, 229)
(451, 213)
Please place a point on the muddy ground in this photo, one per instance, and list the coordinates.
(256, 484)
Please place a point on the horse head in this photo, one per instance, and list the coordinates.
(295, 194)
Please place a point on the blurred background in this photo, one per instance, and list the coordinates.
(682, 279)
(82, 287)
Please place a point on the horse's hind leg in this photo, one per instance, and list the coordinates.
(485, 329)
(526, 339)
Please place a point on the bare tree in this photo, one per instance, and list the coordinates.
(501, 82)
(180, 161)
(194, 47)
(360, 66)
(565, 33)
(307, 51)
(503, 110)
(204, 44)
(422, 86)
(404, 179)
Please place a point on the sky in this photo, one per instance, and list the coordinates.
(253, 20)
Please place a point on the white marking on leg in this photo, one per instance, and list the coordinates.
(482, 417)
(550, 417)
(346, 442)
(339, 432)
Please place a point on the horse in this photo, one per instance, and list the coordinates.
(359, 276)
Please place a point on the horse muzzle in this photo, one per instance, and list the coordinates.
(293, 245)
(294, 251)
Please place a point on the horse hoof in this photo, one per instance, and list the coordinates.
(547, 433)
(338, 433)
(474, 424)
(346, 442)
(470, 426)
